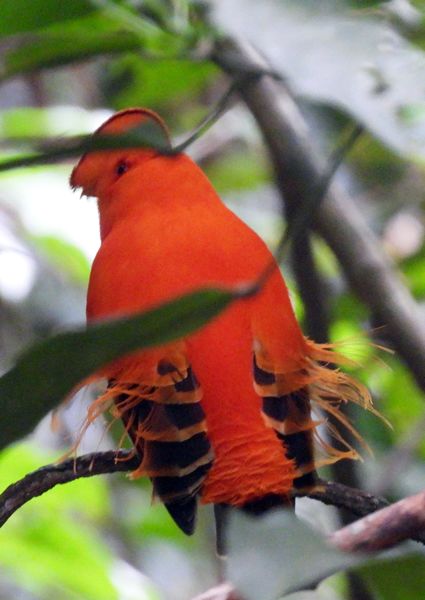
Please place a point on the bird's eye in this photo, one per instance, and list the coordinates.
(122, 167)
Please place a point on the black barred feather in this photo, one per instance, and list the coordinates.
(289, 416)
(168, 428)
(288, 398)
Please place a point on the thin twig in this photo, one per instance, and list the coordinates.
(40, 481)
(305, 210)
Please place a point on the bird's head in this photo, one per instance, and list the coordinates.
(99, 170)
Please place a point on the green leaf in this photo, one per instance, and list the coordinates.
(399, 579)
(55, 554)
(346, 59)
(272, 556)
(394, 383)
(148, 134)
(56, 49)
(47, 372)
(18, 16)
(65, 256)
(113, 29)
(41, 547)
(130, 81)
(52, 121)
(413, 269)
(238, 171)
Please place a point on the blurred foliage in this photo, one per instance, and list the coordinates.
(348, 61)
(64, 256)
(132, 82)
(399, 579)
(43, 548)
(73, 356)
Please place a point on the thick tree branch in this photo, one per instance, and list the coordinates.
(385, 528)
(339, 221)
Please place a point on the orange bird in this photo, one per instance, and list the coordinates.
(223, 415)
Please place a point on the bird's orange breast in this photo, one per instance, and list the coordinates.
(137, 269)
(249, 459)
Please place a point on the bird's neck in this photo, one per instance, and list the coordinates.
(166, 189)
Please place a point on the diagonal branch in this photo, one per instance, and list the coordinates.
(385, 528)
(339, 221)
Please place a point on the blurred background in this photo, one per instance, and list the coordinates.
(65, 67)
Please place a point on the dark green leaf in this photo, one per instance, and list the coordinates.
(46, 373)
(148, 134)
(19, 16)
(400, 579)
(55, 49)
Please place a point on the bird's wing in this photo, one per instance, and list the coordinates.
(167, 426)
(287, 411)
(287, 401)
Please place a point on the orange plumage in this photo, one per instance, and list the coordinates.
(223, 414)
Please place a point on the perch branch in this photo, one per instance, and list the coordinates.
(40, 481)
(36, 483)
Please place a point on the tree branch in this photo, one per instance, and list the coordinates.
(36, 483)
(298, 172)
(385, 528)
(40, 481)
(357, 501)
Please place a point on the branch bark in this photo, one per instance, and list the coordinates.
(40, 481)
(385, 528)
(382, 527)
(341, 224)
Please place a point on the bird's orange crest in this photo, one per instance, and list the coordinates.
(92, 166)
